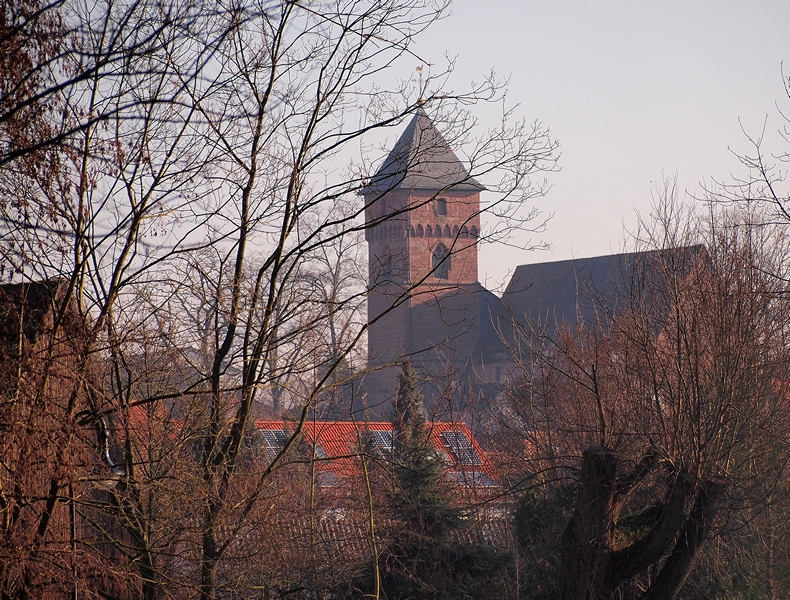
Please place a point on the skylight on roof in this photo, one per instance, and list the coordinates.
(319, 452)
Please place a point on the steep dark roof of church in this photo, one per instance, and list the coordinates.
(421, 159)
(589, 289)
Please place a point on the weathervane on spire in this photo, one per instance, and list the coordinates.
(421, 100)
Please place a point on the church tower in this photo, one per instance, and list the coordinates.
(422, 210)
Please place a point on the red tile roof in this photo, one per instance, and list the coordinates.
(336, 447)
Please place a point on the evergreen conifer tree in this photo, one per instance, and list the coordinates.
(424, 560)
(419, 502)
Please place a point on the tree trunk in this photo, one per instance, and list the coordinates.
(679, 564)
(593, 566)
(587, 539)
(210, 558)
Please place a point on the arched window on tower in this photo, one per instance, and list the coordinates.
(441, 206)
(441, 262)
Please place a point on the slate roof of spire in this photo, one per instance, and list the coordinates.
(422, 159)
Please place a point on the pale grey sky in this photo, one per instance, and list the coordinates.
(633, 90)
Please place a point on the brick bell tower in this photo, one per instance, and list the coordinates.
(422, 210)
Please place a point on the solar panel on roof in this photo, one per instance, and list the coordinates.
(381, 441)
(275, 441)
(275, 438)
(461, 447)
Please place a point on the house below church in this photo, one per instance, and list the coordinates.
(338, 447)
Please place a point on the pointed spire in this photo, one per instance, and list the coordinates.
(422, 159)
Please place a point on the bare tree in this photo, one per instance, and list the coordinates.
(673, 395)
(764, 181)
(194, 183)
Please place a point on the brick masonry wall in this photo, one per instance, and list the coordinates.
(400, 254)
(427, 229)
